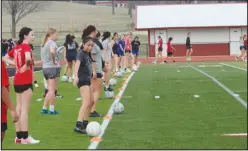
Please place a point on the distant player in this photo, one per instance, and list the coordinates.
(245, 47)
(128, 52)
(135, 49)
(189, 49)
(170, 50)
(6, 102)
(83, 74)
(115, 52)
(160, 50)
(70, 54)
(242, 49)
(121, 52)
(23, 83)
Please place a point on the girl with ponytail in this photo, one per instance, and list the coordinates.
(23, 83)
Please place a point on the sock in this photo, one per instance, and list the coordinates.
(107, 86)
(44, 108)
(19, 135)
(79, 124)
(45, 86)
(52, 108)
(85, 123)
(25, 134)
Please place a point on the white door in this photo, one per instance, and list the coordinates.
(161, 33)
(235, 34)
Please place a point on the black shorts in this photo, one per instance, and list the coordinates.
(99, 75)
(71, 57)
(103, 64)
(188, 47)
(127, 51)
(22, 88)
(169, 53)
(245, 47)
(160, 49)
(51, 73)
(83, 83)
(4, 127)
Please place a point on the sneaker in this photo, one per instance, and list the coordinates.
(55, 112)
(44, 111)
(108, 89)
(80, 130)
(29, 140)
(95, 114)
(18, 141)
(59, 96)
(189, 59)
(70, 79)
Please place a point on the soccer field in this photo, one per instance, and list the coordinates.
(176, 120)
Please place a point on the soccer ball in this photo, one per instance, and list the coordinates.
(135, 68)
(112, 82)
(93, 129)
(64, 78)
(119, 74)
(109, 94)
(118, 108)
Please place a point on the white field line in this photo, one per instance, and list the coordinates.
(105, 122)
(233, 66)
(222, 86)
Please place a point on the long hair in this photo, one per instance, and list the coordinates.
(68, 39)
(24, 31)
(115, 33)
(88, 30)
(84, 41)
(106, 35)
(50, 31)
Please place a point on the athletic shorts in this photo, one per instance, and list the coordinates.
(51, 73)
(188, 47)
(3, 54)
(4, 127)
(245, 47)
(99, 75)
(120, 53)
(103, 64)
(127, 51)
(242, 47)
(23, 88)
(83, 83)
(71, 57)
(169, 53)
(160, 49)
(135, 52)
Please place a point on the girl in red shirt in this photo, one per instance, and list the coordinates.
(170, 50)
(23, 79)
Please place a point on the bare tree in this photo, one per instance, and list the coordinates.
(113, 7)
(18, 9)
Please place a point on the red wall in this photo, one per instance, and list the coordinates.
(216, 49)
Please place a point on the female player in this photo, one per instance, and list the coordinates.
(6, 102)
(83, 73)
(114, 43)
(121, 52)
(128, 48)
(70, 54)
(51, 69)
(245, 47)
(242, 49)
(96, 83)
(107, 46)
(135, 51)
(160, 49)
(170, 50)
(23, 83)
(189, 49)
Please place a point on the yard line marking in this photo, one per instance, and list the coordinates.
(236, 135)
(234, 67)
(222, 86)
(94, 144)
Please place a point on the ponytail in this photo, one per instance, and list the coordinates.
(44, 41)
(20, 41)
(50, 31)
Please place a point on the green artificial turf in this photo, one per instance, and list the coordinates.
(177, 120)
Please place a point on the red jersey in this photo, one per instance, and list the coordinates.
(169, 48)
(245, 41)
(18, 53)
(5, 82)
(160, 43)
(128, 44)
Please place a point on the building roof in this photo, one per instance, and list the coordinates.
(191, 15)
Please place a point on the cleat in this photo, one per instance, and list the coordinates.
(44, 111)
